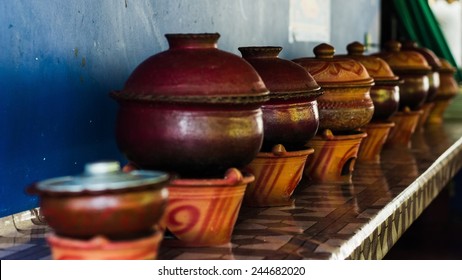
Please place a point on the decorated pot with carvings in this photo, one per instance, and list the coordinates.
(346, 103)
(192, 109)
(385, 91)
(413, 69)
(290, 116)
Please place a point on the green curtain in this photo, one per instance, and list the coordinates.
(421, 25)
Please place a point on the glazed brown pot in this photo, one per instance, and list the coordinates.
(413, 69)
(435, 64)
(192, 109)
(103, 201)
(385, 91)
(291, 115)
(346, 103)
(448, 85)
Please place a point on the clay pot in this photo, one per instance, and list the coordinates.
(413, 69)
(446, 92)
(203, 212)
(103, 201)
(277, 175)
(435, 64)
(346, 103)
(192, 109)
(291, 115)
(385, 91)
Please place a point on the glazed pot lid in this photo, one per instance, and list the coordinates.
(194, 70)
(101, 177)
(446, 67)
(330, 71)
(283, 78)
(429, 55)
(404, 61)
(377, 68)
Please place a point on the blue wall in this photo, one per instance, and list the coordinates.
(59, 59)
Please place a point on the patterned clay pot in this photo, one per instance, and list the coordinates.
(277, 175)
(203, 212)
(101, 248)
(413, 69)
(346, 103)
(192, 109)
(103, 201)
(385, 91)
(291, 115)
(446, 92)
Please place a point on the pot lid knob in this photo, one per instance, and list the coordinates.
(324, 51)
(356, 48)
(393, 46)
(102, 167)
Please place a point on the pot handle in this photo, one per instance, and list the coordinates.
(278, 150)
(233, 176)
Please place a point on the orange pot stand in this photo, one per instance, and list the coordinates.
(371, 146)
(426, 110)
(203, 212)
(277, 174)
(406, 123)
(334, 156)
(101, 248)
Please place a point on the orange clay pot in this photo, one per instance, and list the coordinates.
(277, 174)
(371, 146)
(334, 157)
(101, 248)
(203, 212)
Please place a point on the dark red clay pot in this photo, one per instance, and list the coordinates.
(192, 109)
(291, 115)
(435, 64)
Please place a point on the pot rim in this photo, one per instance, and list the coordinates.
(233, 178)
(152, 97)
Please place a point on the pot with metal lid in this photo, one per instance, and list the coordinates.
(103, 201)
(346, 103)
(413, 69)
(385, 91)
(290, 116)
(192, 109)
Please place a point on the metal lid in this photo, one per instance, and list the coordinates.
(102, 176)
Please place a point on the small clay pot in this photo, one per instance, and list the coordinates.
(413, 69)
(346, 103)
(291, 115)
(385, 91)
(103, 201)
